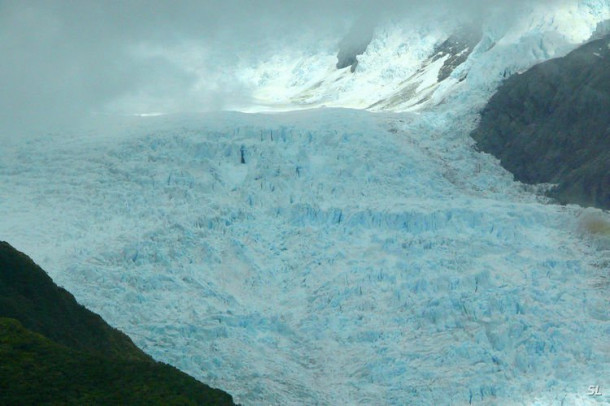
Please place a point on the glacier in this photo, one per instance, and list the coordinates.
(331, 255)
(354, 258)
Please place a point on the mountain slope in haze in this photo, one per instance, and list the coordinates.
(56, 351)
(402, 66)
(331, 256)
(551, 125)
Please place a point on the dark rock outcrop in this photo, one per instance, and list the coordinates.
(354, 44)
(457, 47)
(551, 124)
(601, 30)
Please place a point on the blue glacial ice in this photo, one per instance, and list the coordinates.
(320, 257)
(331, 256)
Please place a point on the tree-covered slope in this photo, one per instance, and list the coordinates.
(551, 124)
(29, 295)
(55, 351)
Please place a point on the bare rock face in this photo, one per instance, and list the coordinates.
(602, 30)
(354, 44)
(551, 124)
(457, 47)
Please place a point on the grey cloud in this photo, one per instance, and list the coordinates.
(63, 59)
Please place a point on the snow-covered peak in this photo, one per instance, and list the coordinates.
(333, 256)
(403, 70)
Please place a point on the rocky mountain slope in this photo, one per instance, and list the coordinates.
(403, 65)
(54, 350)
(551, 124)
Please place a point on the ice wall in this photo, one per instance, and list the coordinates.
(326, 256)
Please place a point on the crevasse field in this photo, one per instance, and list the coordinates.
(326, 256)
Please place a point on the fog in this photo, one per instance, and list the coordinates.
(64, 60)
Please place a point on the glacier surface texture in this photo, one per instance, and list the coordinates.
(327, 256)
(332, 255)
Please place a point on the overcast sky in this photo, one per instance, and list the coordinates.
(62, 59)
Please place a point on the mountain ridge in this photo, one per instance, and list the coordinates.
(551, 125)
(56, 351)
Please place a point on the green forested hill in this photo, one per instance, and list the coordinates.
(55, 351)
(29, 295)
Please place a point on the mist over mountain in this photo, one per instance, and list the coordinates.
(65, 61)
(287, 201)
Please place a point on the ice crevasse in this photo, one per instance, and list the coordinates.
(330, 255)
